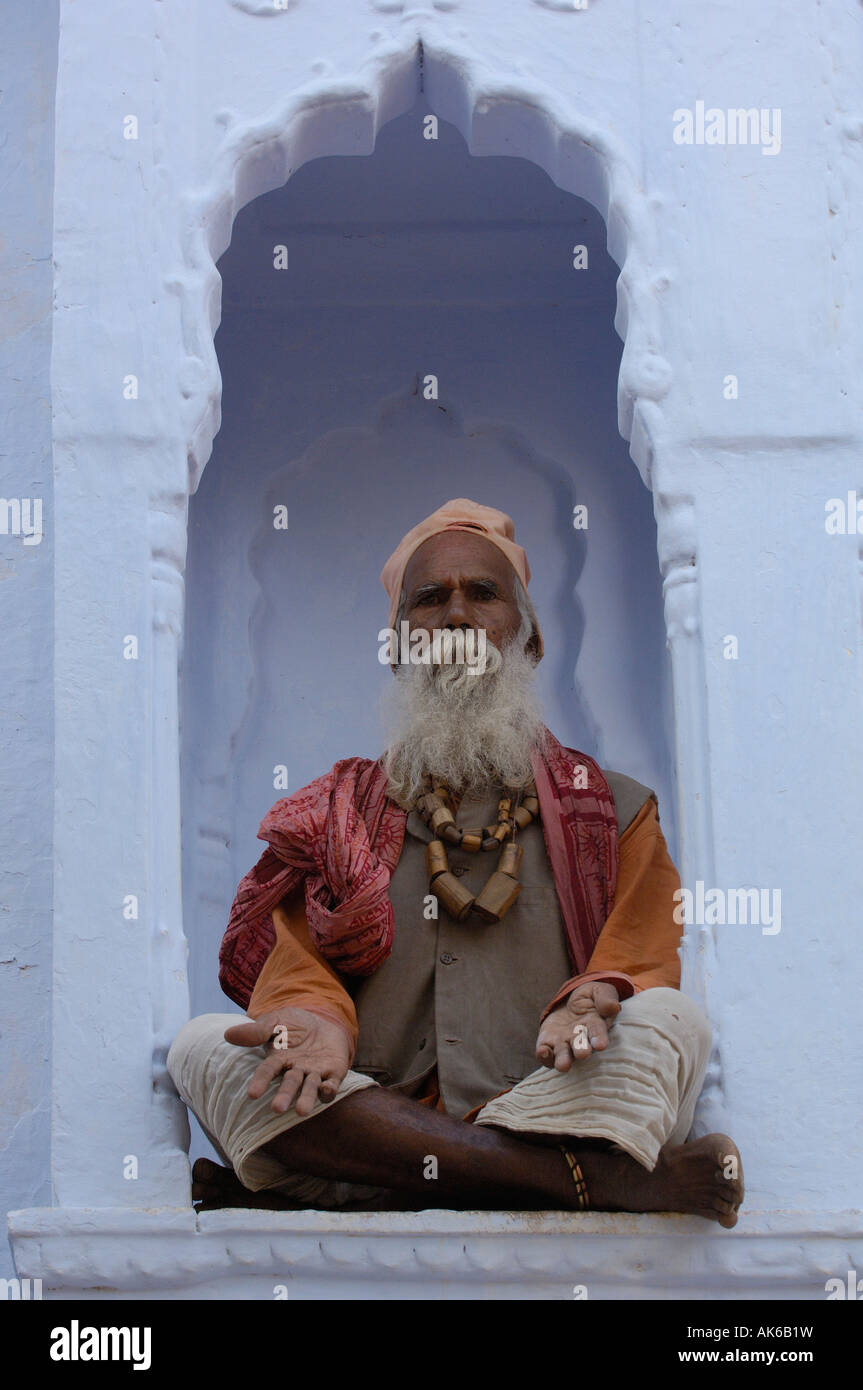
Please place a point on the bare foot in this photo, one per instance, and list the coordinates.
(214, 1187)
(704, 1178)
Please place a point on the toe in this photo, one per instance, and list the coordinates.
(726, 1211)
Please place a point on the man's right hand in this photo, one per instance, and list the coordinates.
(313, 1052)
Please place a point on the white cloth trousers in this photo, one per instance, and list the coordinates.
(640, 1093)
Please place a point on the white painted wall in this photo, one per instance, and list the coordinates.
(28, 62)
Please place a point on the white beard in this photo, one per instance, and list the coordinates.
(472, 731)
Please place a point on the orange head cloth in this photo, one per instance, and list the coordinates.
(457, 515)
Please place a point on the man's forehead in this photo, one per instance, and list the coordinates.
(457, 554)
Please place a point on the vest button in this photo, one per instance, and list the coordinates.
(447, 959)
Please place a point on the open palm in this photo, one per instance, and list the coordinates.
(310, 1052)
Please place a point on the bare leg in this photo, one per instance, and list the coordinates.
(380, 1138)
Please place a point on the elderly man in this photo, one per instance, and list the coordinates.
(459, 961)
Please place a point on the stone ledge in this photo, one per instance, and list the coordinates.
(173, 1252)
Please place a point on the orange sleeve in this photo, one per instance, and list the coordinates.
(637, 947)
(295, 974)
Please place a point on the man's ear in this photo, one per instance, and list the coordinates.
(532, 646)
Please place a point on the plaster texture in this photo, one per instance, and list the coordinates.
(728, 261)
(28, 63)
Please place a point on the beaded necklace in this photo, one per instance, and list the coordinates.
(514, 812)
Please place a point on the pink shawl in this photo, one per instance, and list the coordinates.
(342, 836)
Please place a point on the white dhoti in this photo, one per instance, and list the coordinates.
(640, 1093)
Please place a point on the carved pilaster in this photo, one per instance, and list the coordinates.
(168, 947)
(678, 559)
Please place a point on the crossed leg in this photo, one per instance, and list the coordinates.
(623, 1115)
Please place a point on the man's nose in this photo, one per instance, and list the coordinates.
(457, 612)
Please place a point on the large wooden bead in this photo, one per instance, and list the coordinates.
(435, 859)
(471, 841)
(453, 897)
(441, 817)
(523, 818)
(510, 860)
(531, 804)
(496, 898)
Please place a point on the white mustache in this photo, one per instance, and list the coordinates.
(472, 730)
(456, 655)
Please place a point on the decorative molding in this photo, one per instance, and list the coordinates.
(573, 6)
(399, 6)
(264, 8)
(343, 116)
(169, 993)
(678, 562)
(860, 580)
(769, 1254)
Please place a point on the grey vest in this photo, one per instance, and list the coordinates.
(467, 996)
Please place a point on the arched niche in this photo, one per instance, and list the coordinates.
(418, 258)
(493, 118)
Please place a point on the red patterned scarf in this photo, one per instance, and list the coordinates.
(342, 836)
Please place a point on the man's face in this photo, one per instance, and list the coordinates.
(457, 580)
(468, 732)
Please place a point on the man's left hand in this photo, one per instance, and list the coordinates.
(579, 1026)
